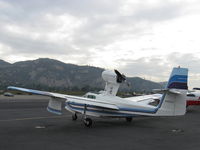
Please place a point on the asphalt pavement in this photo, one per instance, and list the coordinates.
(26, 125)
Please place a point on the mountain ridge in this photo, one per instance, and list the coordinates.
(50, 74)
(3, 63)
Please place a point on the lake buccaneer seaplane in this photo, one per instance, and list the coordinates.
(107, 104)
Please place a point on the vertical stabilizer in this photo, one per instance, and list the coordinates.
(173, 101)
(178, 79)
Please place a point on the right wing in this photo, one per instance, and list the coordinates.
(55, 103)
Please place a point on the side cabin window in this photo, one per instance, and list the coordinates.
(191, 95)
(91, 96)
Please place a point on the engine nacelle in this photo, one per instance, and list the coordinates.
(113, 80)
(109, 76)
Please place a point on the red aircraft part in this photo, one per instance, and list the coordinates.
(193, 102)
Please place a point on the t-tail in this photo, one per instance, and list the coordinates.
(173, 101)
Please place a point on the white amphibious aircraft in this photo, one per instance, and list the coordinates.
(107, 104)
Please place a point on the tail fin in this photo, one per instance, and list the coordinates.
(178, 79)
(173, 101)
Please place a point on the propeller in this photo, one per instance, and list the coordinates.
(121, 78)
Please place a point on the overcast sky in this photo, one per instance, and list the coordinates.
(143, 38)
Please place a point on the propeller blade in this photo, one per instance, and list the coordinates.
(120, 77)
(117, 72)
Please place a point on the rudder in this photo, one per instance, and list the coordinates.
(173, 102)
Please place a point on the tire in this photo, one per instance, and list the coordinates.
(128, 119)
(88, 122)
(74, 117)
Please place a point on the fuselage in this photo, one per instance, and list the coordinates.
(130, 106)
(127, 106)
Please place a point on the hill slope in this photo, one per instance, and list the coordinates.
(49, 74)
(4, 63)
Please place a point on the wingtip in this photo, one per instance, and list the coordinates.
(10, 87)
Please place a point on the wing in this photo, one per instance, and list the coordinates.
(55, 103)
(37, 92)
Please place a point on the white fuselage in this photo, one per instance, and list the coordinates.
(127, 106)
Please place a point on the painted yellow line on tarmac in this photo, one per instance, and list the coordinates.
(33, 118)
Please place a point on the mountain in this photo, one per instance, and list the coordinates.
(4, 63)
(141, 85)
(49, 74)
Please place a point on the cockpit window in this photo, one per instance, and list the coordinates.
(91, 96)
(191, 95)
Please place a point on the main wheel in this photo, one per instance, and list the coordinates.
(74, 117)
(128, 119)
(87, 122)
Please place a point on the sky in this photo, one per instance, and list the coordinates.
(144, 38)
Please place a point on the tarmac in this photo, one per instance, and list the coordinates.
(26, 125)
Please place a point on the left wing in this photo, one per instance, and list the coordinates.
(55, 103)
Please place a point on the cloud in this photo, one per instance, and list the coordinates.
(97, 23)
(151, 68)
(158, 68)
(102, 29)
(131, 34)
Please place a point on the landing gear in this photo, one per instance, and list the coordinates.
(129, 119)
(87, 122)
(74, 117)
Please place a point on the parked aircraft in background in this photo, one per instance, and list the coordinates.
(106, 104)
(193, 97)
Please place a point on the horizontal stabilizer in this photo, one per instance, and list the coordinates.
(174, 91)
(159, 90)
